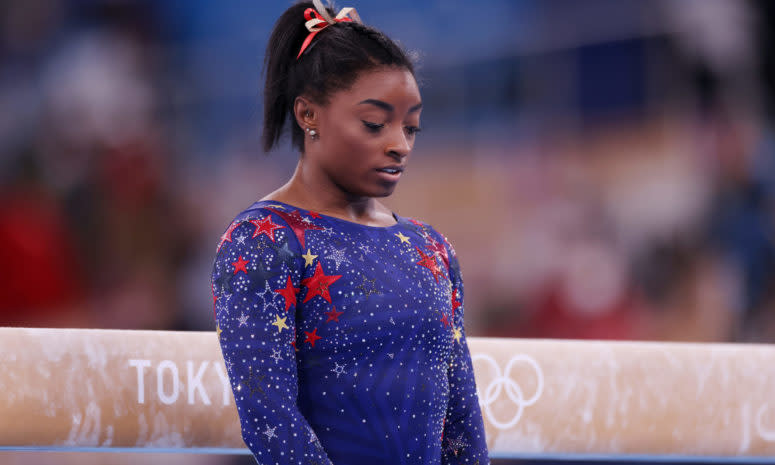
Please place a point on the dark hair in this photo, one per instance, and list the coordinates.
(332, 62)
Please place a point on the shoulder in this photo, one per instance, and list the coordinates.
(262, 218)
(436, 242)
(430, 233)
(261, 210)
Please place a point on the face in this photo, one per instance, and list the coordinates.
(367, 132)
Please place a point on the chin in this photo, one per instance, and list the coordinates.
(384, 191)
(372, 190)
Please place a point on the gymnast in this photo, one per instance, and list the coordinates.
(341, 322)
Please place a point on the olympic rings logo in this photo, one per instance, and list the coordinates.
(766, 434)
(512, 388)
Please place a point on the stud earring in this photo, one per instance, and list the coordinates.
(312, 133)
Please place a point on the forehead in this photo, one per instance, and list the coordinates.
(396, 86)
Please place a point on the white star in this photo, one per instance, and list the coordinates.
(447, 291)
(267, 291)
(337, 255)
(339, 370)
(243, 319)
(270, 432)
(364, 248)
(271, 307)
(241, 239)
(222, 304)
(276, 355)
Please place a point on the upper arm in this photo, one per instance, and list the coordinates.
(255, 278)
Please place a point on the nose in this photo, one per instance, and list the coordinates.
(399, 145)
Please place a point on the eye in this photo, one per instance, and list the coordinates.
(412, 130)
(373, 127)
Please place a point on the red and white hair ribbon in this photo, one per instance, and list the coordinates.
(321, 19)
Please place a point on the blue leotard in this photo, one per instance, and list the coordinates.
(345, 343)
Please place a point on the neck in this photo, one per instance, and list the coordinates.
(315, 191)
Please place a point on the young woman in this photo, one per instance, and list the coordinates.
(340, 322)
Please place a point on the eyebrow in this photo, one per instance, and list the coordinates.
(386, 106)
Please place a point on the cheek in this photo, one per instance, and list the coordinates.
(352, 146)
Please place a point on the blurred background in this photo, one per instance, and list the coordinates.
(604, 168)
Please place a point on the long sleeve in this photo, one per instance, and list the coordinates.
(255, 279)
(464, 440)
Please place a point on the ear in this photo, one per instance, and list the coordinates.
(305, 112)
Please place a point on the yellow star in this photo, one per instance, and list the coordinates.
(280, 323)
(308, 258)
(218, 330)
(402, 237)
(457, 335)
(276, 206)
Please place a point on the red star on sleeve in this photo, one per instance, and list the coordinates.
(312, 337)
(455, 303)
(429, 261)
(289, 292)
(240, 265)
(315, 215)
(265, 226)
(333, 315)
(445, 320)
(296, 222)
(318, 284)
(438, 248)
(226, 237)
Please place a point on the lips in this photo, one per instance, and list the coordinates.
(391, 169)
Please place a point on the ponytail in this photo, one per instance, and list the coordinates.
(332, 62)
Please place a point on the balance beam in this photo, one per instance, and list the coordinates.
(112, 390)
